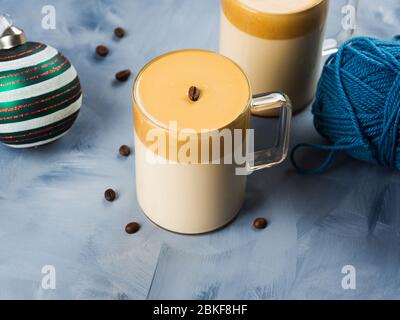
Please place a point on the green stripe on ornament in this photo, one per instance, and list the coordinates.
(39, 134)
(21, 51)
(22, 103)
(47, 73)
(47, 106)
(31, 132)
(41, 111)
(15, 74)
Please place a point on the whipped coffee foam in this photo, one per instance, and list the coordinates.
(280, 6)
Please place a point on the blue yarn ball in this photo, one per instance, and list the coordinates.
(357, 106)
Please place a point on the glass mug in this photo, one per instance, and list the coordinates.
(193, 195)
(278, 43)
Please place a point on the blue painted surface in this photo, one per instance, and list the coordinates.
(51, 199)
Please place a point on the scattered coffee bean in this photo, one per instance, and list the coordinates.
(123, 75)
(124, 151)
(102, 51)
(194, 93)
(132, 227)
(119, 32)
(110, 195)
(260, 223)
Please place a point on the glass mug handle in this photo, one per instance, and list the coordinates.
(277, 154)
(331, 45)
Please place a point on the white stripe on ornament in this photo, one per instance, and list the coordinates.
(42, 121)
(39, 88)
(29, 61)
(36, 144)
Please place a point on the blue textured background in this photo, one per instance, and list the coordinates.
(52, 210)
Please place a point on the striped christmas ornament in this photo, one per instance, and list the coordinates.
(40, 95)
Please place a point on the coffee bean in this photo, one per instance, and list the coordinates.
(102, 51)
(123, 75)
(194, 93)
(132, 227)
(110, 195)
(119, 32)
(260, 223)
(124, 151)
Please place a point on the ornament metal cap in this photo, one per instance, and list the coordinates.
(10, 35)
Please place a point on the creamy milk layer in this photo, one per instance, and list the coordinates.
(161, 90)
(187, 199)
(280, 6)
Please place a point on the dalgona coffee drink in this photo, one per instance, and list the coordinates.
(192, 148)
(278, 43)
